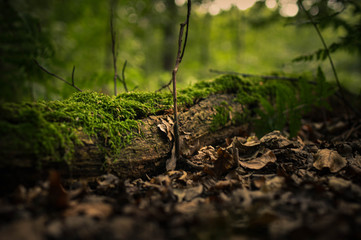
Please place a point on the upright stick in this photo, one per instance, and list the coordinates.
(180, 55)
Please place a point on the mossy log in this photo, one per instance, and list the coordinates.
(146, 154)
(149, 150)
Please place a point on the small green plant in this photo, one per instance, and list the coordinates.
(284, 103)
(325, 53)
(273, 104)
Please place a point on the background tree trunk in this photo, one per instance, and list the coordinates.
(170, 30)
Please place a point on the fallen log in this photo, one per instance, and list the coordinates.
(146, 154)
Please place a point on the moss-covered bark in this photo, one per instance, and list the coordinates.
(130, 134)
(91, 132)
(147, 153)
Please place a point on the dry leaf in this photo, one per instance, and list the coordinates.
(223, 163)
(190, 207)
(247, 149)
(273, 185)
(205, 154)
(162, 180)
(275, 140)
(259, 182)
(330, 159)
(259, 162)
(167, 128)
(339, 184)
(226, 184)
(97, 210)
(188, 194)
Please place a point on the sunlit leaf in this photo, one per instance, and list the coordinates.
(330, 159)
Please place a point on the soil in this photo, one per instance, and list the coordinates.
(308, 187)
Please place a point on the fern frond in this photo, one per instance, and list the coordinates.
(320, 54)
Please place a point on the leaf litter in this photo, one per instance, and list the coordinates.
(248, 188)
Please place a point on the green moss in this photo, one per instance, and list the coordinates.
(271, 104)
(48, 129)
(24, 130)
(222, 116)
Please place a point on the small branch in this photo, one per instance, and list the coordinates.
(112, 33)
(56, 76)
(165, 86)
(180, 54)
(123, 76)
(187, 27)
(72, 75)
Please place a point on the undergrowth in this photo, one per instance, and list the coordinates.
(275, 104)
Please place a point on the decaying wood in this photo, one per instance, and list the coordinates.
(147, 153)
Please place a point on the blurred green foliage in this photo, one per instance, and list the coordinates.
(61, 34)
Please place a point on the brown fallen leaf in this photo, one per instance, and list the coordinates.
(259, 162)
(97, 210)
(190, 207)
(339, 184)
(275, 140)
(107, 182)
(205, 154)
(226, 184)
(259, 182)
(274, 184)
(162, 180)
(248, 148)
(330, 159)
(167, 127)
(188, 194)
(222, 165)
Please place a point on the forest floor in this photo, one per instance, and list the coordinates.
(308, 187)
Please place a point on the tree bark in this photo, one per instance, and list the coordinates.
(147, 153)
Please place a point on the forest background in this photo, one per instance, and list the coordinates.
(247, 36)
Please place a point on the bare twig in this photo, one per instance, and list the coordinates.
(72, 75)
(180, 54)
(113, 35)
(123, 76)
(341, 90)
(186, 23)
(56, 76)
(166, 86)
(122, 80)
